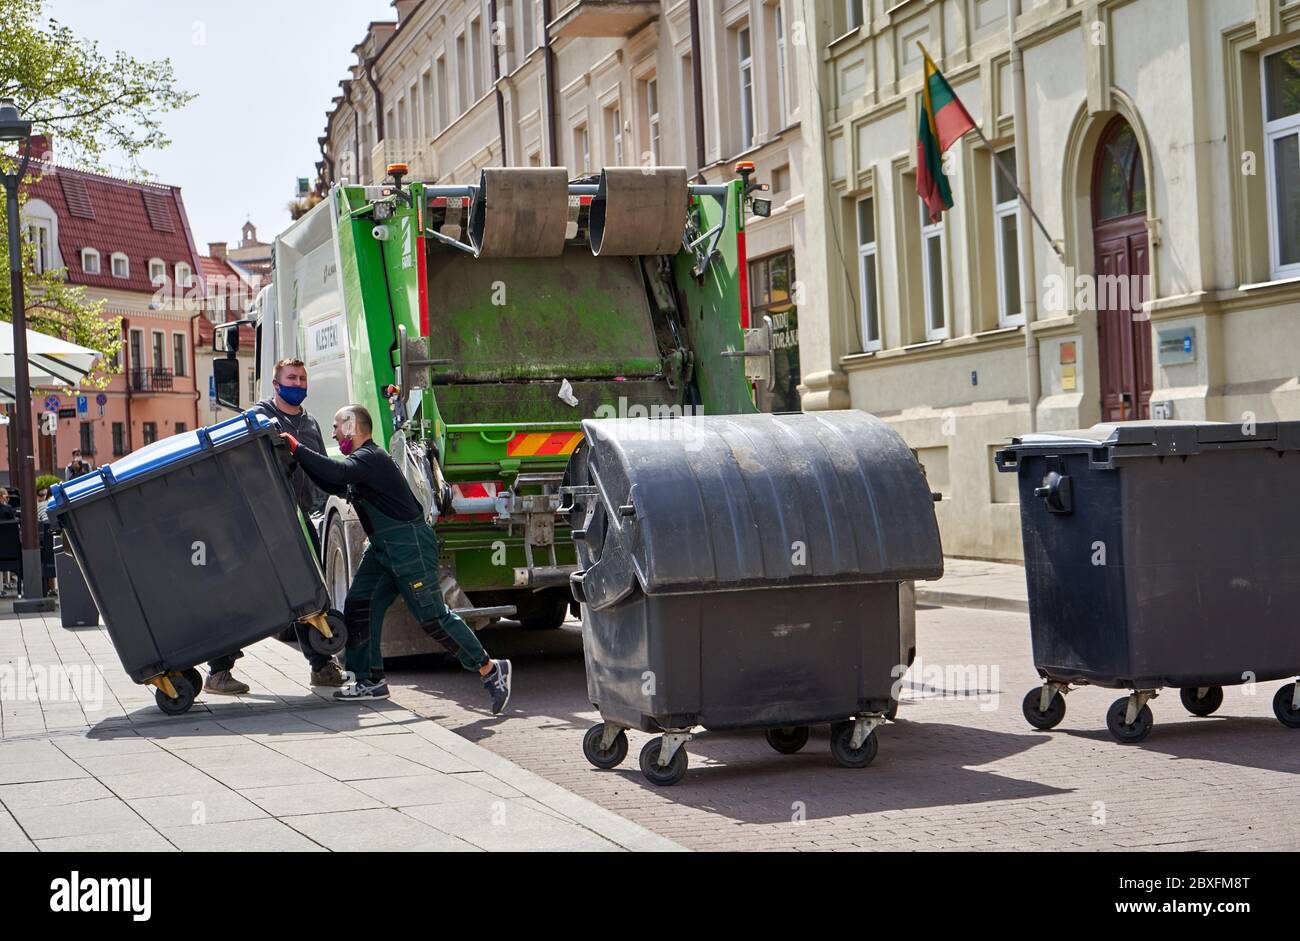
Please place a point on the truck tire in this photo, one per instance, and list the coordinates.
(338, 572)
(546, 612)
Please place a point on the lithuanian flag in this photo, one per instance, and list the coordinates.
(944, 119)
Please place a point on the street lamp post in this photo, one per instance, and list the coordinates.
(14, 128)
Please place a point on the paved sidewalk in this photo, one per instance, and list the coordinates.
(970, 583)
(87, 762)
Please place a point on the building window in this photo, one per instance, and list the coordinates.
(1282, 155)
(440, 70)
(38, 234)
(159, 350)
(182, 275)
(869, 310)
(614, 134)
(652, 112)
(178, 353)
(746, 88)
(120, 265)
(581, 148)
(87, 439)
(462, 75)
(1007, 232)
(157, 271)
(936, 307)
(252, 386)
(426, 98)
(476, 58)
(782, 101)
(852, 14)
(149, 432)
(137, 349)
(529, 14)
(119, 439)
(771, 295)
(181, 428)
(90, 261)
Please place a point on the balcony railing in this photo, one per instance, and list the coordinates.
(151, 380)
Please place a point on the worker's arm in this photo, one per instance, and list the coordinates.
(330, 475)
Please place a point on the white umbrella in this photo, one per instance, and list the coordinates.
(49, 359)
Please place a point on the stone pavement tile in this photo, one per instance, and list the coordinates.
(185, 734)
(117, 841)
(136, 784)
(35, 760)
(213, 805)
(156, 761)
(490, 783)
(52, 793)
(368, 830)
(12, 838)
(275, 727)
(106, 815)
(427, 788)
(352, 719)
(245, 836)
(249, 764)
(508, 826)
(348, 759)
(421, 751)
(100, 743)
(298, 799)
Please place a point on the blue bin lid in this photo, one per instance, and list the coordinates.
(157, 456)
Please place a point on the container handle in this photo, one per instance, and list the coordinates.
(490, 440)
(106, 474)
(205, 438)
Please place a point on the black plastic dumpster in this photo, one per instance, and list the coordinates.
(749, 571)
(192, 548)
(76, 606)
(1160, 554)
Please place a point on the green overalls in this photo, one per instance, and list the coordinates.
(402, 558)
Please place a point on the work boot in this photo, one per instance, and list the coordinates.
(224, 684)
(328, 675)
(497, 683)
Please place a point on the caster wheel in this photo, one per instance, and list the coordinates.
(788, 741)
(1201, 707)
(328, 646)
(604, 758)
(1282, 708)
(849, 757)
(892, 714)
(185, 693)
(195, 678)
(1128, 734)
(662, 776)
(1037, 717)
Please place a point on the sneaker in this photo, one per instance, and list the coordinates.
(223, 683)
(497, 683)
(362, 692)
(328, 675)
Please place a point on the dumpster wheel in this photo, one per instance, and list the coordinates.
(329, 633)
(1286, 705)
(1045, 718)
(788, 740)
(854, 743)
(663, 775)
(605, 745)
(1130, 731)
(1201, 701)
(180, 684)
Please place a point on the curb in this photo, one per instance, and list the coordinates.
(957, 599)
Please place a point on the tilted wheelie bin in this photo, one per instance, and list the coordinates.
(746, 571)
(193, 547)
(1160, 554)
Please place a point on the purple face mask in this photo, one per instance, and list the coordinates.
(345, 446)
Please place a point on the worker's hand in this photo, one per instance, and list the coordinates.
(290, 440)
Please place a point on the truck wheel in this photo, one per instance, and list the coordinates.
(666, 776)
(185, 693)
(1287, 714)
(842, 750)
(1128, 734)
(547, 615)
(1198, 706)
(788, 741)
(1036, 717)
(604, 758)
(338, 574)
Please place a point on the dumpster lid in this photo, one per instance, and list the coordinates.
(1110, 441)
(732, 501)
(158, 457)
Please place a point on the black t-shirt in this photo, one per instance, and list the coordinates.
(368, 473)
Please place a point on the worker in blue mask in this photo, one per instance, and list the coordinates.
(285, 406)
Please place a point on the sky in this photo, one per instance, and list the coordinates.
(265, 71)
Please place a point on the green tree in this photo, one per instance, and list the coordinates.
(92, 104)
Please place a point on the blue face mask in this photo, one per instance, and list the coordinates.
(294, 395)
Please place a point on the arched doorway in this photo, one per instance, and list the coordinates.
(1119, 212)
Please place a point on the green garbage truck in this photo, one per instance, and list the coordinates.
(480, 324)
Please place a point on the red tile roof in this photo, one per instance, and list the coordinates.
(141, 220)
(217, 273)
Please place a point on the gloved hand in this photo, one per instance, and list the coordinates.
(290, 440)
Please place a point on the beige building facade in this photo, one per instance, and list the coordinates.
(1160, 143)
(457, 85)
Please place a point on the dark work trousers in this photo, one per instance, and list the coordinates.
(402, 559)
